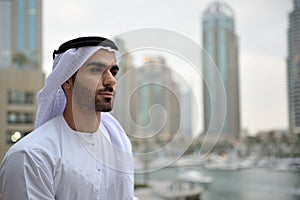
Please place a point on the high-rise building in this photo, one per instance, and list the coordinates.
(186, 103)
(293, 68)
(221, 44)
(155, 101)
(21, 73)
(126, 78)
(20, 34)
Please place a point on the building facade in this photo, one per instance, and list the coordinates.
(20, 34)
(147, 107)
(186, 104)
(221, 44)
(293, 68)
(21, 75)
(126, 78)
(155, 102)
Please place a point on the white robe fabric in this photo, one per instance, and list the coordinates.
(56, 162)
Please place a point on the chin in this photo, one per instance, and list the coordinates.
(104, 108)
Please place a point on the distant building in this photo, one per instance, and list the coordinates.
(186, 104)
(154, 101)
(21, 73)
(126, 79)
(293, 68)
(221, 43)
(20, 34)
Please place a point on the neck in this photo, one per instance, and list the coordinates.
(81, 120)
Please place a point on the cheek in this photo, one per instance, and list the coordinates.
(90, 83)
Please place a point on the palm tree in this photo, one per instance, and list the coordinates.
(20, 59)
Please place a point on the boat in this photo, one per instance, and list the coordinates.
(193, 176)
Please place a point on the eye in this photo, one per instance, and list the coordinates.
(114, 72)
(96, 70)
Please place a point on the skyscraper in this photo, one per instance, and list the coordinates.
(221, 44)
(158, 104)
(126, 78)
(20, 34)
(21, 73)
(186, 102)
(154, 101)
(293, 68)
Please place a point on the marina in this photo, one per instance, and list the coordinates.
(245, 184)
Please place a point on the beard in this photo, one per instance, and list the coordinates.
(90, 101)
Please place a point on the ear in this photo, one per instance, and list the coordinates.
(68, 84)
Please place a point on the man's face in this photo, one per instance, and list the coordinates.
(95, 83)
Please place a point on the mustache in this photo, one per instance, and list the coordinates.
(106, 89)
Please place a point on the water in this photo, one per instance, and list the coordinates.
(250, 184)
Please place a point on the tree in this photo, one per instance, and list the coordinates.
(20, 59)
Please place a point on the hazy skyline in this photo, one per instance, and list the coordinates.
(260, 25)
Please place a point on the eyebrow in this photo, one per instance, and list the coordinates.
(102, 65)
(97, 64)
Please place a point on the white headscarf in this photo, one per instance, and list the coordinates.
(51, 99)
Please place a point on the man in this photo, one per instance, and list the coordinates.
(77, 151)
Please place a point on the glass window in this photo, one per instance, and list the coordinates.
(19, 118)
(20, 97)
(12, 117)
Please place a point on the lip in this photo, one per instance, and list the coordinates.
(106, 94)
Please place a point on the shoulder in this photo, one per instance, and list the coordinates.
(25, 167)
(40, 140)
(30, 170)
(36, 151)
(28, 158)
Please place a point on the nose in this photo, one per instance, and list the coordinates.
(109, 79)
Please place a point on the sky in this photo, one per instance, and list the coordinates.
(261, 26)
